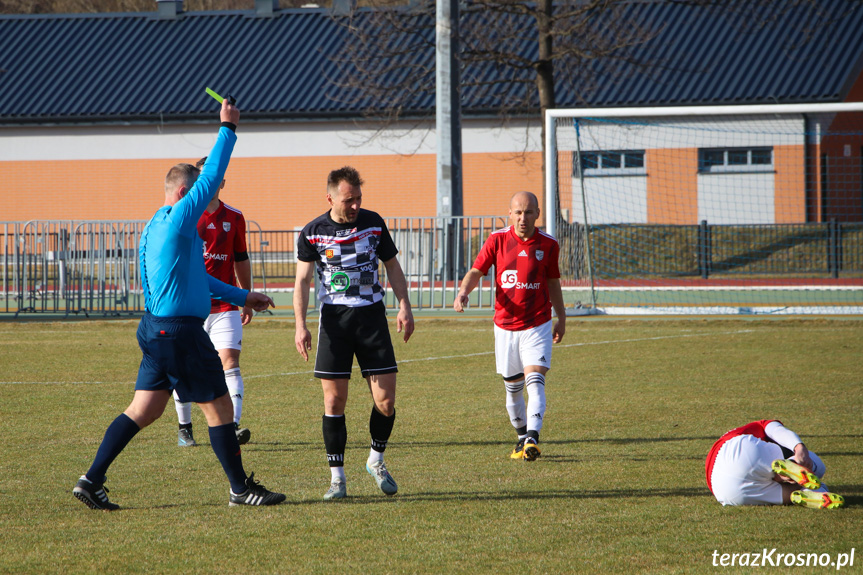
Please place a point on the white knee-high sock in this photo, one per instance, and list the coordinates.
(184, 410)
(535, 401)
(515, 405)
(235, 390)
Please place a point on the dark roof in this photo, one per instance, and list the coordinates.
(135, 67)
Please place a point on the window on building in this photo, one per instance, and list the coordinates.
(610, 163)
(735, 159)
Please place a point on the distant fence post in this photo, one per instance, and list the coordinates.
(704, 257)
(834, 248)
(252, 227)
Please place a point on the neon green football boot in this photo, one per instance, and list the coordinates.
(796, 473)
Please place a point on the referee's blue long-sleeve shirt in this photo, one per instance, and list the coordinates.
(174, 276)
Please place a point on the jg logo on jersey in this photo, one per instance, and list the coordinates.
(509, 279)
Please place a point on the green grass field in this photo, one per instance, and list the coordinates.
(634, 406)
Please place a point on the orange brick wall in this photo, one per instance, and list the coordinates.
(66, 190)
(490, 180)
(672, 185)
(277, 193)
(564, 181)
(789, 204)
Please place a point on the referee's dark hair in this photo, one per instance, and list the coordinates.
(345, 174)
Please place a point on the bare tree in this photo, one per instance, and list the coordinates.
(514, 57)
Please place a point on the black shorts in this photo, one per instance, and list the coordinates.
(178, 354)
(346, 332)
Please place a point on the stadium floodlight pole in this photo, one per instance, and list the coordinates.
(448, 110)
(448, 126)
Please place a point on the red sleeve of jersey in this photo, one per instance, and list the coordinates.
(756, 429)
(240, 235)
(485, 258)
(554, 264)
(202, 226)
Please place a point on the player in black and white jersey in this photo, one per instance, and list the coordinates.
(342, 249)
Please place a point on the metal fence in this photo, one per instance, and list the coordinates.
(631, 251)
(71, 267)
(91, 268)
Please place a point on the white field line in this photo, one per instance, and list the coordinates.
(436, 358)
(559, 346)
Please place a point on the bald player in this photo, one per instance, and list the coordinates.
(527, 283)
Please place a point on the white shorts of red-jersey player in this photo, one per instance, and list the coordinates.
(742, 474)
(225, 329)
(513, 350)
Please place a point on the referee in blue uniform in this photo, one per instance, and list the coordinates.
(177, 353)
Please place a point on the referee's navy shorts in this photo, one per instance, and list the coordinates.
(346, 332)
(178, 354)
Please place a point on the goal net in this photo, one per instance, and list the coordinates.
(734, 209)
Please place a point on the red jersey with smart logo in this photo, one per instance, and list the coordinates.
(224, 235)
(522, 269)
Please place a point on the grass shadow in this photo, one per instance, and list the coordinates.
(450, 496)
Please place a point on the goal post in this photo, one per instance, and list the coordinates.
(708, 210)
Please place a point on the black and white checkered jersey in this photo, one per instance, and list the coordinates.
(347, 257)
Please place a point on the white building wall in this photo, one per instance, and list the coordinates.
(286, 139)
(736, 198)
(611, 200)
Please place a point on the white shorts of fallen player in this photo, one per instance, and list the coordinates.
(742, 473)
(515, 349)
(225, 329)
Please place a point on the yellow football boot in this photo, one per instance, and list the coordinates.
(796, 473)
(817, 499)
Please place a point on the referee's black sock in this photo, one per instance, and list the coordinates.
(223, 438)
(335, 439)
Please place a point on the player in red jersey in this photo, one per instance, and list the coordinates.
(223, 230)
(765, 463)
(528, 287)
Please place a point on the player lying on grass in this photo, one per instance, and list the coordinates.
(765, 463)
